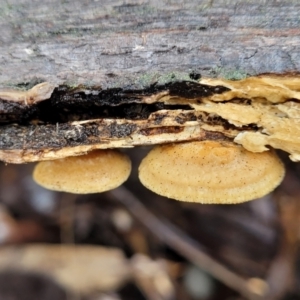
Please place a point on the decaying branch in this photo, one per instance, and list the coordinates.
(256, 112)
(183, 244)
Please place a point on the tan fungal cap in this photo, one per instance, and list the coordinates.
(210, 172)
(95, 172)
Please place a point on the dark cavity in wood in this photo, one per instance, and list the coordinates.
(81, 103)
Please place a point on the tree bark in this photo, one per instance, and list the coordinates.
(140, 63)
(135, 43)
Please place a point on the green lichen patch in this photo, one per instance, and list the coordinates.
(229, 74)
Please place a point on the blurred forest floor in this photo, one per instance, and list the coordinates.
(133, 244)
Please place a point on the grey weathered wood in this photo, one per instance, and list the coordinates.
(116, 43)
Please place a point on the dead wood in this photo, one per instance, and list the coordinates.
(136, 42)
(139, 64)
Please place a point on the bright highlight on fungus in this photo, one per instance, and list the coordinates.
(95, 172)
(210, 172)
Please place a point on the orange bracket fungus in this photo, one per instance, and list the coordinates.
(95, 172)
(210, 172)
(219, 135)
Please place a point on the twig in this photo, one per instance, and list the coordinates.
(183, 244)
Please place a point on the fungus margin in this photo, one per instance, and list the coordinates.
(210, 172)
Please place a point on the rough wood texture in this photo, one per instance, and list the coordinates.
(256, 112)
(135, 42)
(148, 54)
(74, 121)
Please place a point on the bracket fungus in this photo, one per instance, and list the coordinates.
(210, 172)
(254, 115)
(95, 172)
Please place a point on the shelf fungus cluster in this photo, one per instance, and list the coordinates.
(214, 139)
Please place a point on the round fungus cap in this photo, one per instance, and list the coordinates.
(210, 172)
(95, 172)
